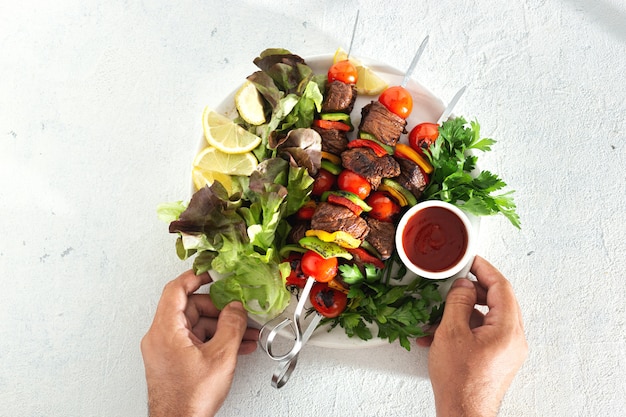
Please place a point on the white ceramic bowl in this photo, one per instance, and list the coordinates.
(456, 270)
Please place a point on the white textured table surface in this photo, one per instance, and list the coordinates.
(100, 105)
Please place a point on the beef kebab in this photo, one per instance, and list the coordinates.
(360, 189)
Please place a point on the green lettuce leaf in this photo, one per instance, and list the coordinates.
(239, 237)
(168, 212)
(290, 88)
(303, 112)
(258, 285)
(299, 188)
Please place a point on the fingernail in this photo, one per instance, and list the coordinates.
(463, 282)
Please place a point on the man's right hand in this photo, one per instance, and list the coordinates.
(473, 357)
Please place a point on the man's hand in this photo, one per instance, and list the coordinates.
(473, 357)
(190, 351)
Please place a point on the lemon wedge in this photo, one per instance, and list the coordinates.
(368, 82)
(226, 135)
(342, 55)
(211, 159)
(202, 177)
(249, 104)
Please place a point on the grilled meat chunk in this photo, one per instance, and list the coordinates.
(339, 97)
(411, 177)
(297, 232)
(333, 218)
(333, 140)
(386, 126)
(367, 164)
(382, 237)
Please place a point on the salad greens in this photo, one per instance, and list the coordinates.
(239, 236)
(453, 180)
(292, 90)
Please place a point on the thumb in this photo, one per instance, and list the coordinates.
(231, 325)
(460, 304)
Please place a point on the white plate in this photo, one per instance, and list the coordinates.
(426, 108)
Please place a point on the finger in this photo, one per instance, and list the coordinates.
(424, 341)
(503, 306)
(200, 305)
(481, 294)
(175, 294)
(231, 327)
(205, 328)
(477, 319)
(486, 274)
(251, 334)
(247, 347)
(427, 340)
(459, 305)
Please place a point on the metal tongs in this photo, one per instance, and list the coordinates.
(272, 329)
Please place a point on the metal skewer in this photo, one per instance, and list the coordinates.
(272, 329)
(418, 54)
(448, 110)
(356, 20)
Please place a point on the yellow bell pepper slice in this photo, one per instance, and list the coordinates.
(410, 153)
(400, 198)
(343, 239)
(331, 157)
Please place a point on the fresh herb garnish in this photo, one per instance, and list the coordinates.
(453, 179)
(400, 312)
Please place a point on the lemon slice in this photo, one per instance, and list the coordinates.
(202, 177)
(249, 104)
(226, 135)
(211, 159)
(342, 55)
(368, 82)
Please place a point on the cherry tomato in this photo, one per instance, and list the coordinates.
(423, 135)
(343, 71)
(324, 181)
(383, 207)
(327, 301)
(314, 265)
(353, 182)
(296, 276)
(397, 100)
(307, 210)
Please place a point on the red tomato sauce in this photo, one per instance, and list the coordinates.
(435, 239)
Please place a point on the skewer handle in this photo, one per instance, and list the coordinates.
(416, 58)
(356, 20)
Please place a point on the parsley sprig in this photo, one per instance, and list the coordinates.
(400, 312)
(454, 179)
